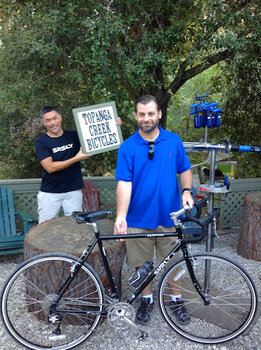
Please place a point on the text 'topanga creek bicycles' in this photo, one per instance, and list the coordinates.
(56, 301)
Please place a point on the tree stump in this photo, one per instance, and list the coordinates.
(64, 235)
(249, 241)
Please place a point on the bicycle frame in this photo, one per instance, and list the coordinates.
(181, 244)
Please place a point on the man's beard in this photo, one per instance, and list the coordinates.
(148, 127)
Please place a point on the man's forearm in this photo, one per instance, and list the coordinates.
(53, 166)
(123, 196)
(186, 179)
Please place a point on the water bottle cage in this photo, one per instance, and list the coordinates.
(135, 280)
(140, 275)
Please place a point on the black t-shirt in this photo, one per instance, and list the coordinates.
(60, 148)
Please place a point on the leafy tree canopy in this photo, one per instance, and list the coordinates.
(76, 53)
(242, 117)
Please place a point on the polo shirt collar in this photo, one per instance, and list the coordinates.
(162, 136)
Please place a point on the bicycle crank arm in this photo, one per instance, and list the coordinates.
(143, 335)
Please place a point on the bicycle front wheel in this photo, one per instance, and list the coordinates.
(229, 289)
(32, 289)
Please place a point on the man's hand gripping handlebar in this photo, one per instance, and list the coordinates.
(202, 222)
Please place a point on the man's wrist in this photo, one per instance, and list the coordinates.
(187, 189)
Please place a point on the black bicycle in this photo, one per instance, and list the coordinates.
(56, 301)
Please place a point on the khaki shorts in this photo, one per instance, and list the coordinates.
(141, 250)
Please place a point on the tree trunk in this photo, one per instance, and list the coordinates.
(249, 241)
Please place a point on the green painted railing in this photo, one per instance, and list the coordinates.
(25, 196)
(25, 191)
(232, 204)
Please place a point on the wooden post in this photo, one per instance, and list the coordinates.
(249, 241)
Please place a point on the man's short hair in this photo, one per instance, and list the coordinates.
(48, 109)
(147, 99)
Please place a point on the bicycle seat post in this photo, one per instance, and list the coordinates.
(94, 227)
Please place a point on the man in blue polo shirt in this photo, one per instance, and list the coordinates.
(147, 192)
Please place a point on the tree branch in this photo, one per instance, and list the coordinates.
(183, 75)
(210, 61)
(129, 121)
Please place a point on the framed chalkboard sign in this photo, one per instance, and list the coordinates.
(97, 129)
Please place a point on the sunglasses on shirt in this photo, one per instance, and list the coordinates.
(151, 150)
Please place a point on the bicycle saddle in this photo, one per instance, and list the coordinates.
(91, 216)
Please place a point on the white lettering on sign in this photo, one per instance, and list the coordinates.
(96, 117)
(99, 129)
(101, 141)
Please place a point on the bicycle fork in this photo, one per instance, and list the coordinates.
(203, 293)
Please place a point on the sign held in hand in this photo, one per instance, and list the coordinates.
(97, 129)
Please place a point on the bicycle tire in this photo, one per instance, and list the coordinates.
(31, 289)
(232, 295)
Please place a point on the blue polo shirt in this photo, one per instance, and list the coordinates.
(155, 192)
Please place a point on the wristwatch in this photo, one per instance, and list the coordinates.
(187, 189)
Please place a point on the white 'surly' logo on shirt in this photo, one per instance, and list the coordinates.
(62, 148)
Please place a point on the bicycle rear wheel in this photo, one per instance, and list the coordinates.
(230, 290)
(32, 289)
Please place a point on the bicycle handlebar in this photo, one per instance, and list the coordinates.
(203, 222)
(227, 147)
(244, 148)
(198, 205)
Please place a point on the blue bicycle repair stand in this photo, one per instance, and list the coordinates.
(208, 115)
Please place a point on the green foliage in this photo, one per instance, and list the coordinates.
(179, 119)
(78, 53)
(236, 86)
(242, 109)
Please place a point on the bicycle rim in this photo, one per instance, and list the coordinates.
(32, 288)
(230, 290)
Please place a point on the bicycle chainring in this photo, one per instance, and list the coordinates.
(117, 312)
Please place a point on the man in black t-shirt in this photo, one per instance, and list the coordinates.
(59, 153)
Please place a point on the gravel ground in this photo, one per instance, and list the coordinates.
(160, 335)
